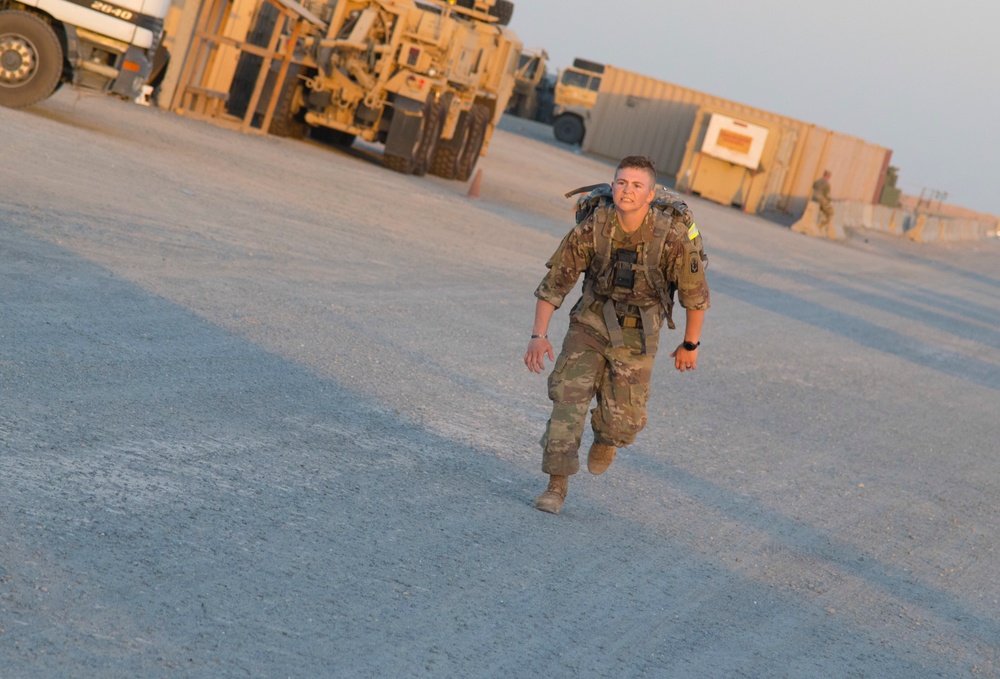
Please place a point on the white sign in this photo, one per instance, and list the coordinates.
(734, 141)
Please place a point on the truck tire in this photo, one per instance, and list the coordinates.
(479, 123)
(503, 11)
(31, 59)
(444, 162)
(433, 123)
(288, 120)
(419, 159)
(568, 128)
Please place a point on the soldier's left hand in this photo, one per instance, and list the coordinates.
(684, 359)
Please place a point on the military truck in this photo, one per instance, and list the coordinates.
(93, 44)
(533, 87)
(429, 80)
(575, 95)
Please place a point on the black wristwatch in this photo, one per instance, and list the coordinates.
(690, 346)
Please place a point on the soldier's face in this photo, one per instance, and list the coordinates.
(633, 190)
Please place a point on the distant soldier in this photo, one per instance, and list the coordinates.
(634, 252)
(821, 194)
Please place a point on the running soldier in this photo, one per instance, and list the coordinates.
(635, 251)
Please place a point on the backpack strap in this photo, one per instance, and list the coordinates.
(672, 207)
(655, 274)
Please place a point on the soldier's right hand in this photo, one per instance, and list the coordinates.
(534, 357)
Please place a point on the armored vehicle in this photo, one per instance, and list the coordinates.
(428, 79)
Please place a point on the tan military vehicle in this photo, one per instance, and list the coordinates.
(429, 80)
(532, 68)
(575, 95)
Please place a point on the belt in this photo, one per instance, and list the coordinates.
(629, 322)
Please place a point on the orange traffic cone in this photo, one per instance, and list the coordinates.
(476, 183)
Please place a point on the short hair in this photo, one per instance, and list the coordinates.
(637, 163)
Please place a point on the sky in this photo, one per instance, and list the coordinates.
(917, 77)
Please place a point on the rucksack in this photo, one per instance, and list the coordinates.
(600, 196)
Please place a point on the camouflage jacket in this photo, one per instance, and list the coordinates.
(821, 191)
(680, 261)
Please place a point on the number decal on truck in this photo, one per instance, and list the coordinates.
(112, 10)
(150, 23)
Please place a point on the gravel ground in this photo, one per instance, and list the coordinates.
(263, 414)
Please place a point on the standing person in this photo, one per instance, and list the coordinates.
(634, 254)
(821, 194)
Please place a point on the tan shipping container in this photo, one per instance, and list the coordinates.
(636, 114)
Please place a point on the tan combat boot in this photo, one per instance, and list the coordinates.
(600, 457)
(552, 499)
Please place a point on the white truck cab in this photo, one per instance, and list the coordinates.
(103, 45)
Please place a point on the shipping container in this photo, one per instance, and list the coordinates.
(637, 114)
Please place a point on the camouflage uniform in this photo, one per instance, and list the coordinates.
(821, 194)
(590, 364)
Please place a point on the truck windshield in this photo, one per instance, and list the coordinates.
(582, 80)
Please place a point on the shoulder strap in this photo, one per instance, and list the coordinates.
(652, 264)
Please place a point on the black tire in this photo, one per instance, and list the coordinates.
(288, 119)
(430, 129)
(568, 129)
(444, 162)
(479, 123)
(503, 11)
(435, 119)
(31, 59)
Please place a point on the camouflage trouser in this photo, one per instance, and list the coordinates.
(826, 213)
(588, 366)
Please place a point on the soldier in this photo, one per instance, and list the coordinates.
(635, 253)
(821, 194)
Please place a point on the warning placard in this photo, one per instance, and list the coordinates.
(734, 140)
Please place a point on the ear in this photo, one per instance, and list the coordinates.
(652, 192)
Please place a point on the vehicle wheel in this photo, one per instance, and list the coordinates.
(31, 59)
(419, 159)
(444, 162)
(479, 123)
(288, 120)
(568, 129)
(433, 124)
(503, 11)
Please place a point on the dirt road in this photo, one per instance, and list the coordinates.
(263, 414)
